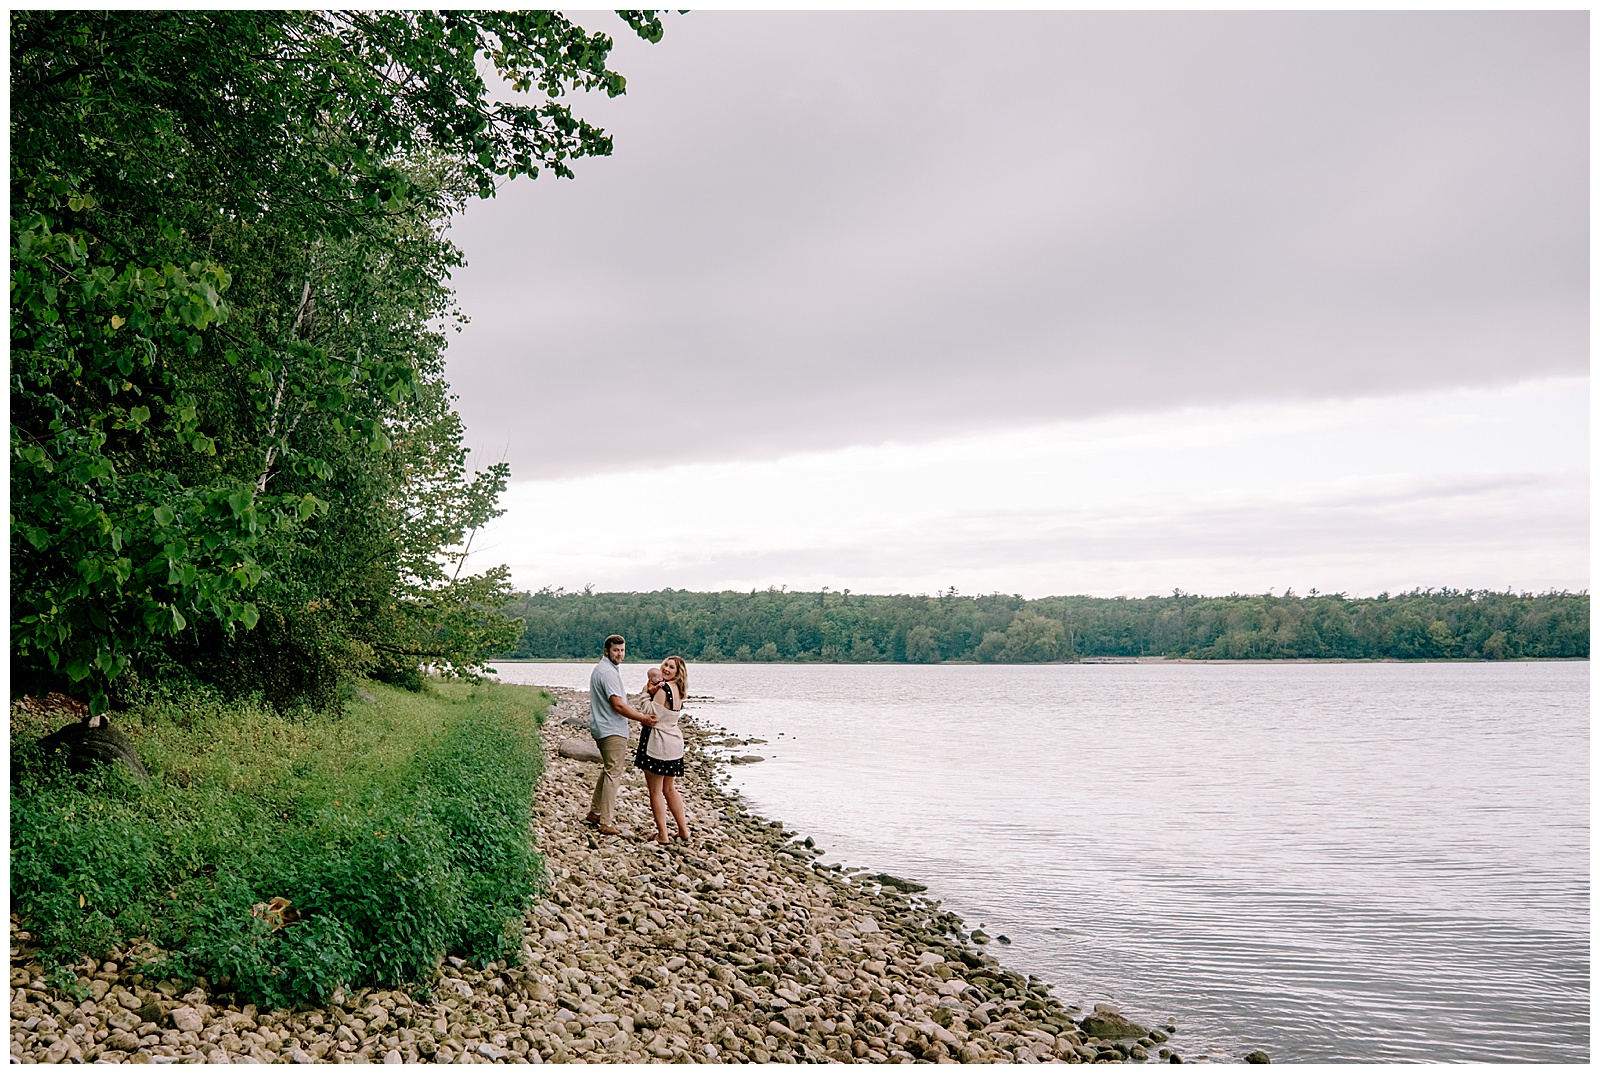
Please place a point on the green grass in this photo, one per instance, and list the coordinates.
(397, 830)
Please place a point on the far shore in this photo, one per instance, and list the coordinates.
(1049, 663)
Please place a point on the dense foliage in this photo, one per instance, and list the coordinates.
(845, 627)
(396, 834)
(228, 300)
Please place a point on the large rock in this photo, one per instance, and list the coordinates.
(910, 886)
(94, 741)
(1107, 1024)
(580, 749)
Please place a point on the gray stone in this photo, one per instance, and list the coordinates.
(580, 749)
(1257, 1056)
(909, 886)
(1107, 1024)
(121, 1040)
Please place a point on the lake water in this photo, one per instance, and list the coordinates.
(1327, 861)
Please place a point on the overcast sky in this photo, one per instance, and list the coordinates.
(853, 255)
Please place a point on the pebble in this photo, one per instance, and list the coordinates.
(735, 947)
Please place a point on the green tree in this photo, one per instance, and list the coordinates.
(1443, 641)
(922, 645)
(992, 648)
(227, 403)
(863, 650)
(1031, 639)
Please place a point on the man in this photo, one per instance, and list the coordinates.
(609, 713)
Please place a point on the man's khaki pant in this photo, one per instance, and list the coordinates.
(613, 755)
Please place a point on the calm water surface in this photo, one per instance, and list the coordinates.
(1327, 861)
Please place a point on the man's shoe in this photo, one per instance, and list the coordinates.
(606, 829)
(592, 820)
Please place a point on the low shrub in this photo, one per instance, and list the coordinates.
(396, 831)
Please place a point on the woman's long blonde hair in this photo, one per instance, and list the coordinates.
(681, 680)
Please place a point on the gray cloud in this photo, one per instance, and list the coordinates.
(830, 228)
(1520, 530)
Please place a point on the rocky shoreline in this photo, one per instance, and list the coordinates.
(735, 947)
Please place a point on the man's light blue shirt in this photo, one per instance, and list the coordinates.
(605, 682)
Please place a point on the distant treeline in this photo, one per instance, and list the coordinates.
(828, 627)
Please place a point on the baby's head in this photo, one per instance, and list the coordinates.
(653, 676)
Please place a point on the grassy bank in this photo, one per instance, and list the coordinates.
(397, 831)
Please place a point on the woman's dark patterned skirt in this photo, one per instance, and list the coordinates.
(642, 759)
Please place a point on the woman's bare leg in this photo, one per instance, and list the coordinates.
(658, 804)
(675, 800)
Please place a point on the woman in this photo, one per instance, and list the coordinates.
(660, 752)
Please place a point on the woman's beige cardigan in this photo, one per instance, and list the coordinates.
(666, 737)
